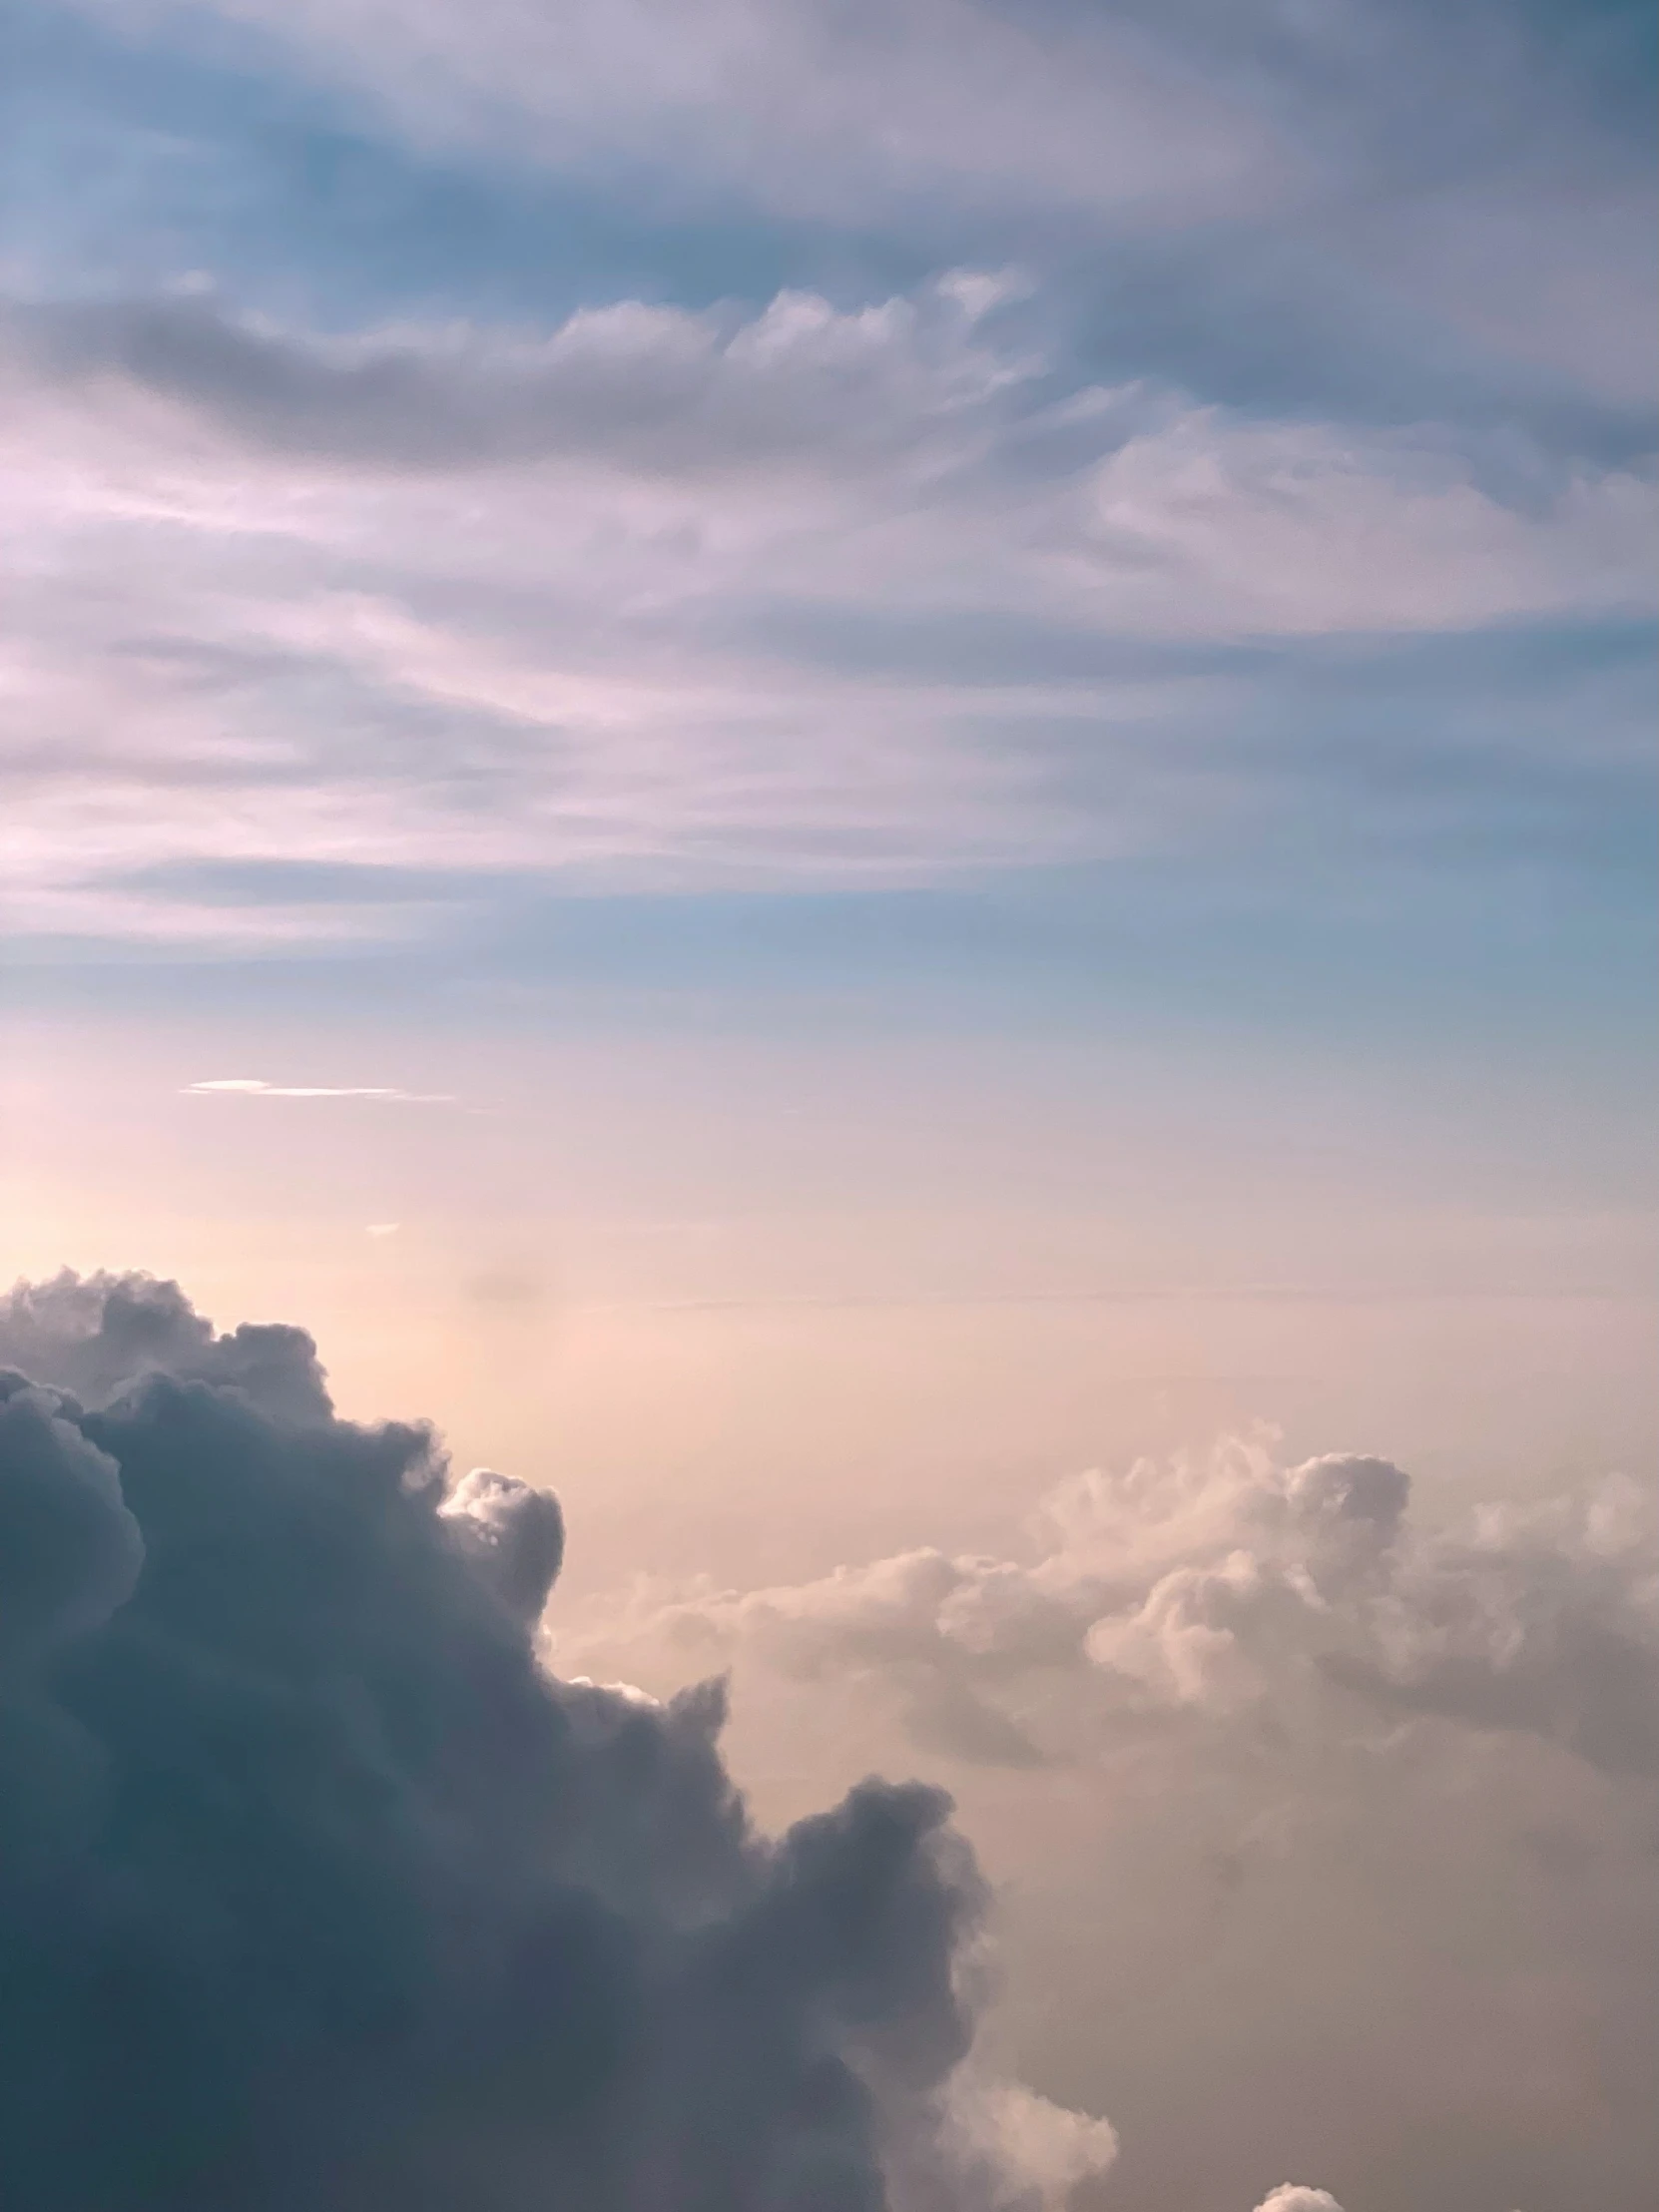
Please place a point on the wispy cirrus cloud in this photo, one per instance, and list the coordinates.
(579, 609)
(757, 448)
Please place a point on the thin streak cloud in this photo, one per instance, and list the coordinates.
(250, 1086)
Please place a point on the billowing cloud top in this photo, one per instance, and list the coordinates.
(97, 1336)
(1326, 1815)
(1228, 1589)
(317, 1890)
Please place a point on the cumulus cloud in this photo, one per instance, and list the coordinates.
(1361, 1800)
(318, 1890)
(70, 1551)
(1226, 1588)
(1325, 1815)
(92, 1336)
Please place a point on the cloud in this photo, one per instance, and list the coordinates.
(1333, 1817)
(659, 390)
(1061, 366)
(514, 1535)
(796, 596)
(811, 424)
(1359, 1800)
(70, 1551)
(319, 1891)
(1219, 1588)
(249, 1086)
(844, 108)
(1330, 153)
(94, 1336)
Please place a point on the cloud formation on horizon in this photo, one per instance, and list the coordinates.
(1359, 1800)
(1225, 1587)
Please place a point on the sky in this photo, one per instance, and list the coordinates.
(815, 763)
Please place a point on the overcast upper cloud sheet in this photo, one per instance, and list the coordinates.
(1046, 400)
(446, 604)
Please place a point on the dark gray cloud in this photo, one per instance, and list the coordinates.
(317, 1890)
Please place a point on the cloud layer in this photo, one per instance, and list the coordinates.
(465, 457)
(325, 634)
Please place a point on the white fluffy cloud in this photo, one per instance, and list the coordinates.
(1227, 1591)
(1360, 1804)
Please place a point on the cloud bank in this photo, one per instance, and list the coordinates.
(319, 1891)
(1229, 1587)
(1354, 1807)
(1309, 1812)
